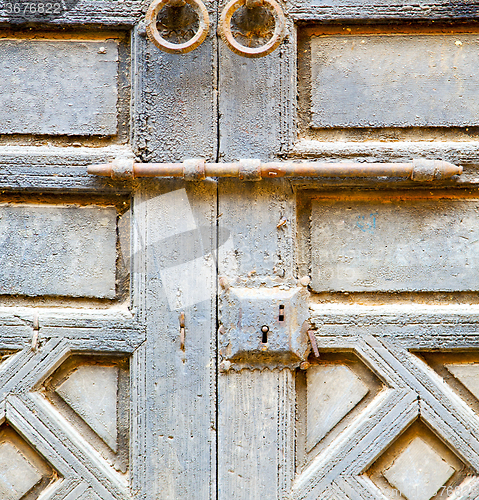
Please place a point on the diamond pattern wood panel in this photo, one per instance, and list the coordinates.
(40, 445)
(92, 392)
(418, 436)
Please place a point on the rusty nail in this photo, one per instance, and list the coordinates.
(304, 365)
(314, 345)
(282, 222)
(182, 331)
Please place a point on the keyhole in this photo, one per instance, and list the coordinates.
(264, 332)
(281, 313)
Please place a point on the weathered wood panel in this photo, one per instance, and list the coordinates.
(256, 434)
(393, 245)
(129, 12)
(256, 228)
(180, 408)
(175, 100)
(38, 168)
(257, 97)
(458, 152)
(256, 406)
(87, 12)
(254, 97)
(54, 250)
(58, 87)
(394, 81)
(347, 10)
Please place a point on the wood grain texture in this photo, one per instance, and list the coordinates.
(68, 87)
(138, 455)
(111, 13)
(175, 101)
(460, 152)
(66, 451)
(218, 106)
(393, 81)
(391, 245)
(256, 229)
(256, 416)
(346, 10)
(58, 250)
(180, 407)
(399, 411)
(432, 400)
(38, 168)
(257, 102)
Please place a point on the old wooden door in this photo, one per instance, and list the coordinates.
(154, 332)
(386, 268)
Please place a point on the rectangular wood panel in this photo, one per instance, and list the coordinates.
(178, 277)
(394, 244)
(58, 250)
(58, 87)
(395, 80)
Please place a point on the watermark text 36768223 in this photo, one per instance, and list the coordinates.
(20, 11)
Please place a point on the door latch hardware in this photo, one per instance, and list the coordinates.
(224, 27)
(264, 325)
(177, 48)
(255, 170)
(182, 331)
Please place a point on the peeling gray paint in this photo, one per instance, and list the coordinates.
(58, 87)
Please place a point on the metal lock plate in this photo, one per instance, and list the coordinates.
(264, 325)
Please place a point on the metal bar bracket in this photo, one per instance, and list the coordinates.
(421, 170)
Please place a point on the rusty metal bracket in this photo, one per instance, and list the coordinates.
(264, 326)
(177, 48)
(255, 170)
(224, 27)
(182, 331)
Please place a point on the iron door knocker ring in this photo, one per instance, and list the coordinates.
(177, 48)
(224, 28)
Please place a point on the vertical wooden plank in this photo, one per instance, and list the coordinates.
(256, 407)
(256, 417)
(176, 235)
(138, 364)
(256, 108)
(176, 100)
(174, 112)
(286, 433)
(138, 450)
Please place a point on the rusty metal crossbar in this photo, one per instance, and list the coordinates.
(255, 170)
